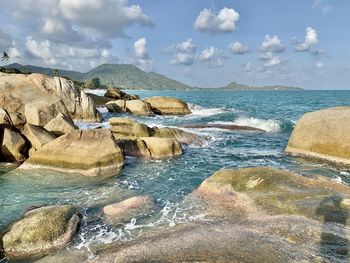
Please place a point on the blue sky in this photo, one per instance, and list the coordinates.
(202, 43)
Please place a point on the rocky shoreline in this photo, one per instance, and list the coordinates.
(275, 209)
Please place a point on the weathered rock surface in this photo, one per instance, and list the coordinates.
(88, 152)
(60, 125)
(122, 128)
(223, 126)
(323, 135)
(138, 107)
(117, 94)
(18, 90)
(162, 147)
(99, 100)
(116, 106)
(13, 146)
(180, 135)
(168, 106)
(37, 136)
(40, 231)
(5, 117)
(18, 119)
(125, 210)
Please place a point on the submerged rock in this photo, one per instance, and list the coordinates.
(125, 210)
(323, 135)
(40, 231)
(60, 125)
(168, 106)
(223, 126)
(88, 152)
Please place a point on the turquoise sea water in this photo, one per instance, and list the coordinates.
(169, 181)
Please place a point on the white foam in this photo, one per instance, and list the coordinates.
(99, 92)
(199, 111)
(269, 125)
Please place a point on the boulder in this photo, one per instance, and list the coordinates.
(39, 90)
(116, 106)
(5, 117)
(99, 100)
(323, 135)
(276, 191)
(37, 136)
(40, 231)
(138, 107)
(180, 135)
(124, 211)
(88, 152)
(117, 94)
(162, 147)
(122, 127)
(60, 125)
(134, 147)
(13, 146)
(168, 106)
(42, 111)
(18, 119)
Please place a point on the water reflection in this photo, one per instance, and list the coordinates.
(334, 244)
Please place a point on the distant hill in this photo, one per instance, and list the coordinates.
(127, 76)
(237, 86)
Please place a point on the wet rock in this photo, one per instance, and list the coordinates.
(60, 125)
(88, 152)
(168, 106)
(323, 135)
(37, 136)
(125, 210)
(40, 231)
(13, 146)
(223, 126)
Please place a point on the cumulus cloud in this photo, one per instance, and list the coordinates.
(311, 40)
(322, 6)
(238, 48)
(247, 67)
(60, 30)
(186, 47)
(140, 56)
(184, 53)
(183, 59)
(272, 44)
(223, 22)
(213, 56)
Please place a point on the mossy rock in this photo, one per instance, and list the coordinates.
(40, 231)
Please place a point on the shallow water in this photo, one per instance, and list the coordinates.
(169, 181)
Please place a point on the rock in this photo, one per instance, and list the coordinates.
(88, 152)
(180, 135)
(18, 119)
(168, 106)
(323, 135)
(116, 106)
(276, 191)
(41, 112)
(37, 136)
(5, 117)
(138, 107)
(39, 90)
(60, 125)
(117, 94)
(223, 126)
(122, 127)
(162, 147)
(124, 211)
(13, 146)
(99, 100)
(40, 231)
(134, 147)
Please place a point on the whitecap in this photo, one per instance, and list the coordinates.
(269, 125)
(199, 111)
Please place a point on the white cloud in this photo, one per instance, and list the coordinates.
(274, 61)
(183, 59)
(223, 22)
(319, 65)
(60, 30)
(272, 44)
(238, 48)
(186, 47)
(213, 56)
(322, 6)
(247, 67)
(140, 55)
(311, 40)
(104, 17)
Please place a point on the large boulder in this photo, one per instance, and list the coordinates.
(277, 191)
(99, 100)
(168, 106)
(117, 94)
(88, 152)
(139, 107)
(324, 135)
(40, 231)
(180, 135)
(60, 125)
(122, 127)
(5, 117)
(17, 90)
(37, 136)
(162, 147)
(13, 146)
(125, 210)
(116, 106)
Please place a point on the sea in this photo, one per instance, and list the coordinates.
(169, 181)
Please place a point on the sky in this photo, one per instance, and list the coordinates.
(203, 43)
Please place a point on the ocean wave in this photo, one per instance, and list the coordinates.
(199, 111)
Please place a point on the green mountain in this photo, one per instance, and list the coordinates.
(237, 86)
(127, 76)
